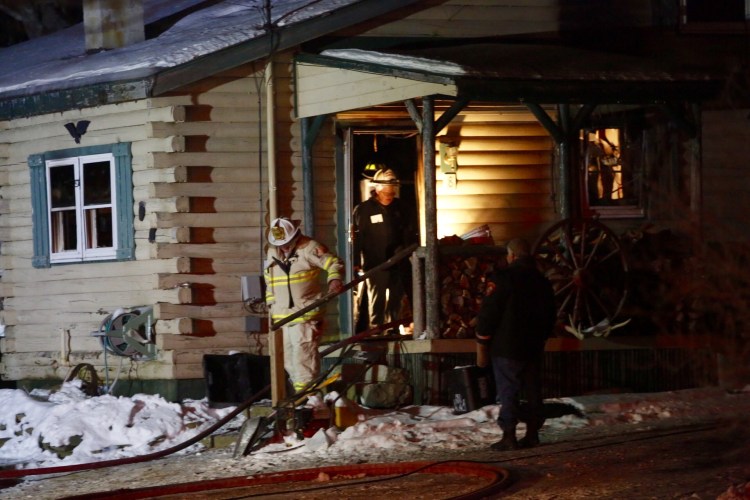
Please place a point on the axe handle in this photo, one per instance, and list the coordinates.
(331, 295)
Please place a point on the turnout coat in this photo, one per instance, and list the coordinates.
(294, 282)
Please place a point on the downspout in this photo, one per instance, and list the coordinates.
(271, 127)
(308, 218)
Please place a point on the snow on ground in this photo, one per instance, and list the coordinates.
(66, 427)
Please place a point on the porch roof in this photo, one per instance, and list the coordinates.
(513, 73)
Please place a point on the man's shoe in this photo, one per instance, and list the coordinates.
(529, 440)
(507, 443)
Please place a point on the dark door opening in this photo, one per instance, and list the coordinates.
(398, 151)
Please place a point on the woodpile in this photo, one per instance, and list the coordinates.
(464, 268)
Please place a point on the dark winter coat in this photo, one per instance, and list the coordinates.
(380, 231)
(518, 313)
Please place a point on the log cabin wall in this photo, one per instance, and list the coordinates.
(49, 313)
(504, 174)
(200, 175)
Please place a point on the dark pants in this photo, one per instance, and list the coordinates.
(512, 377)
(385, 293)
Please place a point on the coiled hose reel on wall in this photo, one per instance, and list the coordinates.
(128, 333)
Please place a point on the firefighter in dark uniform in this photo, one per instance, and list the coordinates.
(382, 226)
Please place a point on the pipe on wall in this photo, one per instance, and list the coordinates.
(271, 127)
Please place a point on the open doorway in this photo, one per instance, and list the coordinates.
(384, 149)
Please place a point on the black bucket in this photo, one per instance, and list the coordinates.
(470, 388)
(232, 379)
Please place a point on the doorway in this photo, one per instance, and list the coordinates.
(369, 150)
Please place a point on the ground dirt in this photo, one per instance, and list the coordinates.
(702, 454)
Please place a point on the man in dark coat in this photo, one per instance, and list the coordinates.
(382, 226)
(516, 318)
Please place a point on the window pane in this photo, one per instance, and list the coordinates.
(610, 178)
(62, 186)
(99, 228)
(64, 231)
(96, 183)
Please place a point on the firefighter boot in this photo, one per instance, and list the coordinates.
(531, 439)
(508, 442)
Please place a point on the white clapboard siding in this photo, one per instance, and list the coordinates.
(322, 90)
(504, 174)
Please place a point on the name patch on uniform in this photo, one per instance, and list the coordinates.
(374, 219)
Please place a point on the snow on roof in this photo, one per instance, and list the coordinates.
(423, 64)
(59, 60)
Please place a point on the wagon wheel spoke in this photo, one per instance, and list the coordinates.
(568, 236)
(560, 257)
(590, 315)
(613, 253)
(564, 305)
(593, 251)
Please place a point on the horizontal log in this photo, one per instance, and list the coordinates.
(162, 235)
(248, 159)
(225, 219)
(253, 131)
(169, 310)
(170, 280)
(15, 233)
(240, 341)
(172, 204)
(212, 189)
(97, 271)
(132, 113)
(218, 250)
(173, 326)
(236, 265)
(107, 301)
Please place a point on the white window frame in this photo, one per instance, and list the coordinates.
(123, 248)
(81, 252)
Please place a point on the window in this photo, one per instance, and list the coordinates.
(83, 205)
(613, 174)
(712, 16)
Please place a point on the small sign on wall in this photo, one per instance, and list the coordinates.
(448, 158)
(449, 181)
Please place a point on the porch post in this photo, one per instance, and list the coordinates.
(310, 129)
(564, 171)
(432, 291)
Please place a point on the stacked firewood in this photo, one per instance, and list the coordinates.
(463, 284)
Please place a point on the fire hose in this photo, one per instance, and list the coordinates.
(18, 473)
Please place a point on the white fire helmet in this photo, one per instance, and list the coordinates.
(282, 231)
(385, 176)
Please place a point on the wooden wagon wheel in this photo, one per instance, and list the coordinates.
(589, 271)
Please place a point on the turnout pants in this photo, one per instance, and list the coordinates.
(301, 357)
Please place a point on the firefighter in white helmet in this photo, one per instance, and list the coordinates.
(293, 281)
(382, 226)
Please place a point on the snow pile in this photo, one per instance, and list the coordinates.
(66, 427)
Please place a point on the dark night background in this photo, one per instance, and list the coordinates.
(21, 20)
